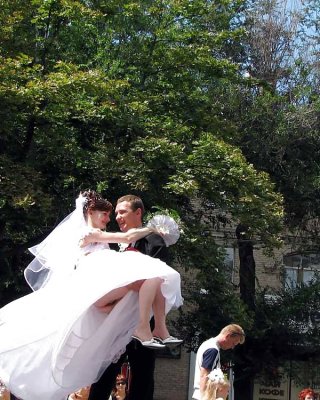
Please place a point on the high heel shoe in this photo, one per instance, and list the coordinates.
(169, 341)
(151, 344)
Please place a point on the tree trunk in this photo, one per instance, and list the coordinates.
(243, 384)
(247, 267)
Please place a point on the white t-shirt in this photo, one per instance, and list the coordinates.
(208, 357)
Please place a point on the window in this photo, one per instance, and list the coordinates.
(228, 263)
(300, 268)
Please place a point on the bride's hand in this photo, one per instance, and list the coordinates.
(90, 237)
(160, 232)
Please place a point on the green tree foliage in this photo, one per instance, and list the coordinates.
(279, 109)
(128, 96)
(277, 118)
(212, 301)
(117, 96)
(286, 329)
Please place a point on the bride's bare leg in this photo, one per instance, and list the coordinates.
(147, 295)
(109, 300)
(135, 286)
(160, 326)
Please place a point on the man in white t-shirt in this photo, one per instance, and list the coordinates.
(208, 357)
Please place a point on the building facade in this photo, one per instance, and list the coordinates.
(287, 266)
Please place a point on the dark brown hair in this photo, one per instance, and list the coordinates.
(135, 202)
(120, 378)
(94, 201)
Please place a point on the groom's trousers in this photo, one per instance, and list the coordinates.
(142, 364)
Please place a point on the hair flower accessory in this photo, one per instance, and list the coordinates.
(167, 228)
(216, 376)
(217, 387)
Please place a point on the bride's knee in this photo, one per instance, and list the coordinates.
(105, 307)
(135, 286)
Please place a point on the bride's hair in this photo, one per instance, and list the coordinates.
(94, 201)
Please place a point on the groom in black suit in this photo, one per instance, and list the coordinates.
(129, 212)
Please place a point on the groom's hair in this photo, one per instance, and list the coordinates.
(135, 202)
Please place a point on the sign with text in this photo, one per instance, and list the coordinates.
(270, 390)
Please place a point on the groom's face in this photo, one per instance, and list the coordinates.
(126, 217)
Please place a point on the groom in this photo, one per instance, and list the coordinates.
(129, 213)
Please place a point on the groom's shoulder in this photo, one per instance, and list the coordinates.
(153, 245)
(155, 239)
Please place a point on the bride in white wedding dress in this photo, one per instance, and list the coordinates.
(57, 340)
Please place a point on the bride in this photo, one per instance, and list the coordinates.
(58, 339)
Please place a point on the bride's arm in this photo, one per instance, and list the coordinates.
(132, 235)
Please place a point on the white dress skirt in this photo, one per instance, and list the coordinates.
(55, 341)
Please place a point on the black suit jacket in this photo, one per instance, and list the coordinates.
(153, 245)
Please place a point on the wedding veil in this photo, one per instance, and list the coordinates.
(57, 255)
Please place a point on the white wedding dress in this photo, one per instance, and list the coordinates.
(55, 341)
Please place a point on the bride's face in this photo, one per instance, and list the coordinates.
(98, 219)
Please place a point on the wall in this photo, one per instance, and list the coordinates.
(172, 377)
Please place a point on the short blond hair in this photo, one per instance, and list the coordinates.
(234, 330)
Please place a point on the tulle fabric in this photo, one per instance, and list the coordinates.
(55, 341)
(57, 255)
